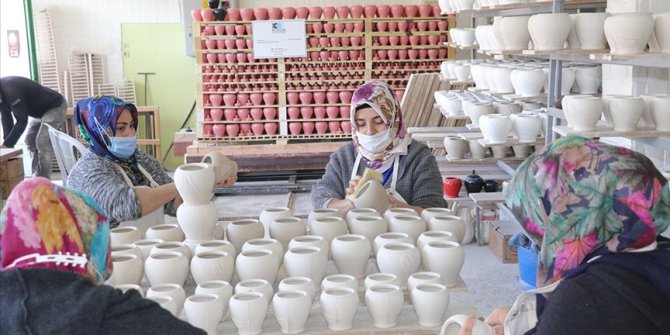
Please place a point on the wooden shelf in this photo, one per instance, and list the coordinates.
(458, 46)
(240, 122)
(285, 73)
(609, 132)
(408, 47)
(240, 107)
(325, 104)
(511, 141)
(317, 120)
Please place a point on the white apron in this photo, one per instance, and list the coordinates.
(394, 176)
(154, 218)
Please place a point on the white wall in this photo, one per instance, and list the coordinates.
(12, 18)
(95, 26)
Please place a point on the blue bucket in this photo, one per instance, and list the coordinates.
(527, 256)
(527, 265)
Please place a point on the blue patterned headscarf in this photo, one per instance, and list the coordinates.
(578, 195)
(96, 120)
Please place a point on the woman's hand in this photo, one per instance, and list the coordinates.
(342, 205)
(395, 203)
(495, 319)
(352, 184)
(225, 183)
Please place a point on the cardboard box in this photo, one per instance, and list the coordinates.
(181, 141)
(6, 186)
(499, 234)
(11, 169)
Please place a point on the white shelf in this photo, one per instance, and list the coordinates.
(609, 132)
(510, 141)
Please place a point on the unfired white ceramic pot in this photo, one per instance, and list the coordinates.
(212, 265)
(454, 324)
(350, 254)
(445, 258)
(400, 259)
(175, 292)
(626, 112)
(384, 303)
(219, 287)
(306, 262)
(285, 229)
(430, 301)
(628, 33)
(291, 310)
(372, 195)
(496, 128)
(589, 29)
(300, 284)
(514, 32)
(451, 223)
(248, 310)
(194, 182)
(198, 221)
(204, 311)
(549, 31)
(339, 306)
(166, 267)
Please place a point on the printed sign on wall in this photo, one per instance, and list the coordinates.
(279, 39)
(13, 43)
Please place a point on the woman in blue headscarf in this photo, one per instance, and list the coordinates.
(129, 184)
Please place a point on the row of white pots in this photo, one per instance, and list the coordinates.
(623, 113)
(526, 79)
(451, 6)
(248, 234)
(292, 303)
(626, 33)
(458, 147)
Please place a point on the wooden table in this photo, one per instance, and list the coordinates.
(9, 153)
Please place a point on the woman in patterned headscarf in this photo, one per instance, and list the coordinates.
(55, 249)
(130, 185)
(380, 142)
(597, 212)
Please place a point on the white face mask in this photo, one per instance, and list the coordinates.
(375, 143)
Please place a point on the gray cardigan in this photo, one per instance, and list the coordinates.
(419, 180)
(103, 181)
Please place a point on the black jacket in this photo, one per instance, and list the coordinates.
(623, 293)
(42, 301)
(24, 98)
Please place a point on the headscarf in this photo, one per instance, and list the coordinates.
(378, 95)
(577, 196)
(41, 218)
(96, 120)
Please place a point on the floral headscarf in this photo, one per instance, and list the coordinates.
(578, 195)
(378, 95)
(41, 218)
(96, 120)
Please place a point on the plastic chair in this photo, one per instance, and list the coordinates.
(67, 150)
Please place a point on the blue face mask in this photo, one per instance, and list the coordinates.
(123, 147)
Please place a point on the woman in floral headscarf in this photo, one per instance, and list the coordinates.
(380, 142)
(130, 185)
(597, 212)
(55, 250)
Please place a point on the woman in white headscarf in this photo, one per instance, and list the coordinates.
(380, 142)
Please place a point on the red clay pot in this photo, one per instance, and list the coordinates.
(451, 187)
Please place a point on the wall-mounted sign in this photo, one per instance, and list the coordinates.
(279, 39)
(13, 44)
